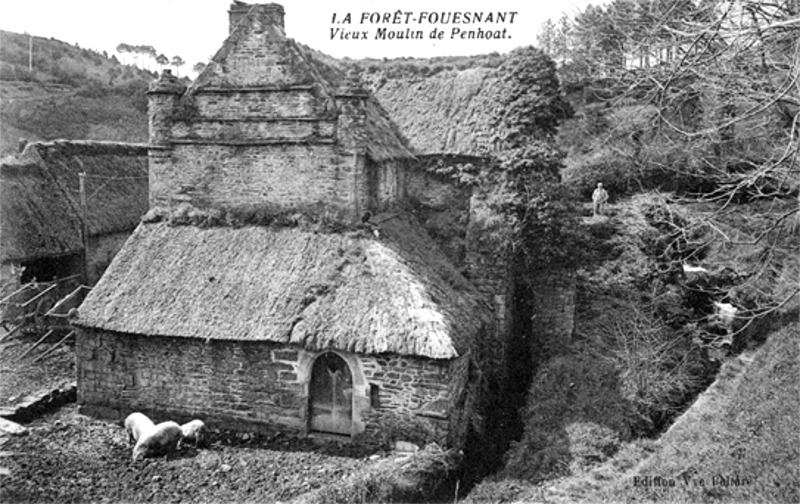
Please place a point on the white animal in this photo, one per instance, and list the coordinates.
(724, 315)
(688, 268)
(160, 440)
(193, 431)
(137, 424)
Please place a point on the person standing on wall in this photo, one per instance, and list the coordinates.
(599, 199)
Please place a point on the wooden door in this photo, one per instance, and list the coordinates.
(331, 395)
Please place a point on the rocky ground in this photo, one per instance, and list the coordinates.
(68, 457)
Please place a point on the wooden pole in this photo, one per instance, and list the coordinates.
(52, 348)
(30, 53)
(84, 228)
(46, 335)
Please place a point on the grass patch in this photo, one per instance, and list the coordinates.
(415, 478)
(752, 435)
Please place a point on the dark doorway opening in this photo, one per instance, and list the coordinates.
(46, 269)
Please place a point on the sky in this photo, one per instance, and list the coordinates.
(195, 29)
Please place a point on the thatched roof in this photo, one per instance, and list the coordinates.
(448, 113)
(357, 293)
(383, 138)
(291, 64)
(40, 198)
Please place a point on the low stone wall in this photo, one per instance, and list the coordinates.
(39, 403)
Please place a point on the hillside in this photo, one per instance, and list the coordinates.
(72, 93)
(733, 445)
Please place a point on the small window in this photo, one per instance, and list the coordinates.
(374, 395)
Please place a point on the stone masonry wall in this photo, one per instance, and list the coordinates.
(256, 131)
(237, 384)
(255, 61)
(412, 401)
(554, 311)
(283, 177)
(250, 385)
(407, 384)
(241, 105)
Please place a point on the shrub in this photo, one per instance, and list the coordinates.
(590, 444)
(618, 173)
(659, 368)
(420, 477)
(395, 427)
(92, 89)
(507, 490)
(575, 417)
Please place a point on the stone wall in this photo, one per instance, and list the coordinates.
(412, 399)
(242, 105)
(553, 311)
(289, 177)
(488, 259)
(254, 385)
(389, 184)
(221, 382)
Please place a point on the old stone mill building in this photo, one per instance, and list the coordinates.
(278, 280)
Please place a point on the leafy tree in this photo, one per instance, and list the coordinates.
(177, 62)
(162, 60)
(545, 39)
(150, 52)
(199, 67)
(525, 186)
(561, 40)
(124, 49)
(530, 104)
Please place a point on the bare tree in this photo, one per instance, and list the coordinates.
(713, 90)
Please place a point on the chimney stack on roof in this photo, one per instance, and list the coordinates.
(273, 13)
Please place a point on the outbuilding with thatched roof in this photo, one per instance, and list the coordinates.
(234, 324)
(40, 209)
(276, 281)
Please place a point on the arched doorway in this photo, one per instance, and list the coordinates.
(331, 395)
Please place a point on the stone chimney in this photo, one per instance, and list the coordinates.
(272, 13)
(163, 95)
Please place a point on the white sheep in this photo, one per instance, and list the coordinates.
(193, 431)
(160, 440)
(137, 424)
